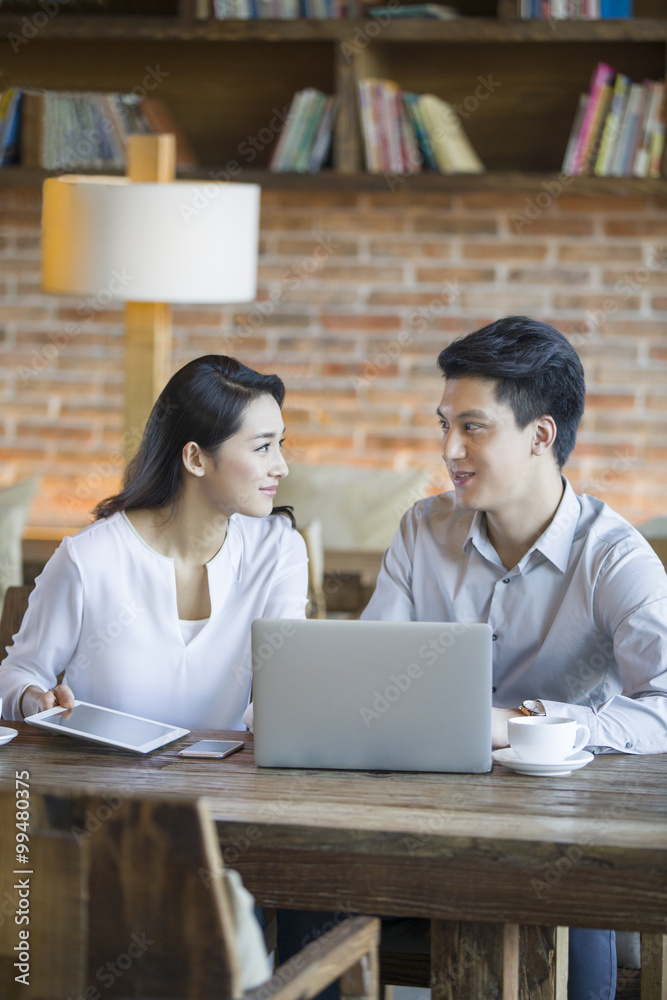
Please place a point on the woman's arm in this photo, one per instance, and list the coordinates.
(46, 641)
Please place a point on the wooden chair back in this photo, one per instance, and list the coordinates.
(125, 893)
(127, 898)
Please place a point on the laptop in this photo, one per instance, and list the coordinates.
(366, 695)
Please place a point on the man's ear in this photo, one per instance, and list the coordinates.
(193, 459)
(544, 434)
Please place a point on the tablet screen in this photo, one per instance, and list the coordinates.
(96, 722)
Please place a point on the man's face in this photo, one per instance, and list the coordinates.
(489, 460)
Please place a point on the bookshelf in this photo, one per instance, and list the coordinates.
(225, 78)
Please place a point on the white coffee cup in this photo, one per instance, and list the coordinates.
(546, 739)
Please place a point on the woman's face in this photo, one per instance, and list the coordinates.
(242, 475)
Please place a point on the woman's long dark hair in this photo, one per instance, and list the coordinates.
(204, 402)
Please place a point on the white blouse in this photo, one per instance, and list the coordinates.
(105, 611)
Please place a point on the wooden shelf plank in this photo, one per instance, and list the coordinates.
(330, 180)
(473, 29)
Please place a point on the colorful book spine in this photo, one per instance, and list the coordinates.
(590, 155)
(412, 104)
(602, 75)
(573, 141)
(612, 126)
(658, 137)
(323, 138)
(368, 125)
(633, 134)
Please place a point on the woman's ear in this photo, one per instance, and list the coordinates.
(193, 459)
(544, 434)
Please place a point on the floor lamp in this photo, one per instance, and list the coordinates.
(149, 240)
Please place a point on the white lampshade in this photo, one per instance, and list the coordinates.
(139, 242)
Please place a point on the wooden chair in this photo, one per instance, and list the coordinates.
(13, 610)
(312, 536)
(542, 965)
(127, 899)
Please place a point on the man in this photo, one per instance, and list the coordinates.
(576, 598)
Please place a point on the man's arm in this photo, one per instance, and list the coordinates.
(631, 608)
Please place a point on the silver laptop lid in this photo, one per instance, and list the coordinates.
(399, 696)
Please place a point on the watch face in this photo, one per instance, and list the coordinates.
(532, 707)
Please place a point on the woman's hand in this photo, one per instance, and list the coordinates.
(34, 700)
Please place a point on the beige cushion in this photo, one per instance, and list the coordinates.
(14, 505)
(359, 508)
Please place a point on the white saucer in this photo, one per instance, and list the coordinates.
(508, 758)
(7, 734)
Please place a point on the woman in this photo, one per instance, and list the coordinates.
(148, 609)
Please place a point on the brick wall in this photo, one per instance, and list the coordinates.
(358, 293)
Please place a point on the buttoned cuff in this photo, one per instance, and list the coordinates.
(583, 714)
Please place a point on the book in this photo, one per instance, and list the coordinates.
(297, 128)
(411, 102)
(381, 125)
(632, 136)
(302, 153)
(368, 126)
(612, 126)
(10, 113)
(615, 9)
(603, 75)
(639, 166)
(322, 142)
(658, 136)
(279, 147)
(387, 95)
(590, 154)
(573, 141)
(453, 150)
(619, 151)
(411, 153)
(305, 138)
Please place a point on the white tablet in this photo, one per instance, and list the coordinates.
(106, 725)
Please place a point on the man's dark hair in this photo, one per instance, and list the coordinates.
(536, 370)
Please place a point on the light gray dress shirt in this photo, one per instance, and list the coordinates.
(579, 623)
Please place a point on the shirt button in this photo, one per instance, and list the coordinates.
(494, 636)
(629, 746)
(507, 580)
(493, 690)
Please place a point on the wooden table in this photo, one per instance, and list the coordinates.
(492, 851)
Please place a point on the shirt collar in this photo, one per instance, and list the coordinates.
(554, 543)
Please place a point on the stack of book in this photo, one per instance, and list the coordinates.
(404, 131)
(305, 139)
(574, 10)
(619, 128)
(80, 131)
(278, 10)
